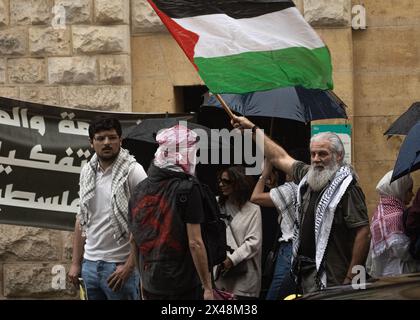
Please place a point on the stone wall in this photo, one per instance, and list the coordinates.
(67, 53)
(33, 263)
(386, 83)
(73, 53)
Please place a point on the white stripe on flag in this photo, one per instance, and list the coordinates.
(221, 35)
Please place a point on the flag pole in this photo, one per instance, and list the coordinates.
(225, 106)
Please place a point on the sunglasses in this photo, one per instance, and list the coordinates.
(225, 182)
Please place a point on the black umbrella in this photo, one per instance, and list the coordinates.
(409, 156)
(147, 129)
(295, 103)
(405, 122)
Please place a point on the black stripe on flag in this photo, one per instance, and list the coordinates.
(234, 8)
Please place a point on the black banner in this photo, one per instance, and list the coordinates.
(42, 150)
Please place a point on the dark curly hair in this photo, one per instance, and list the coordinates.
(242, 186)
(102, 123)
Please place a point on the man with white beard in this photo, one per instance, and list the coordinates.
(331, 233)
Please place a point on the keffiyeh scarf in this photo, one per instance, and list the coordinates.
(119, 189)
(177, 149)
(387, 225)
(324, 216)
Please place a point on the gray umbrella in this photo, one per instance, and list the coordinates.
(293, 103)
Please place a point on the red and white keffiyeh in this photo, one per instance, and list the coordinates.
(387, 226)
(177, 149)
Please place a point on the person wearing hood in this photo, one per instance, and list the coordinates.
(389, 248)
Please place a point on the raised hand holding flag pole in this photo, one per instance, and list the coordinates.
(246, 46)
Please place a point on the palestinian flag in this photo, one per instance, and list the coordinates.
(246, 46)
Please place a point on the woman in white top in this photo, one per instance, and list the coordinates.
(243, 234)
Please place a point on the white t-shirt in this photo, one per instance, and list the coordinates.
(100, 243)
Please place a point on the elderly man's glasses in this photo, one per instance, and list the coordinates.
(225, 181)
(111, 138)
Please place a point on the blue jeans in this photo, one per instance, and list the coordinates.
(282, 283)
(95, 275)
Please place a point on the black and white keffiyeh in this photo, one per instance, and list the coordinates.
(324, 216)
(284, 198)
(119, 189)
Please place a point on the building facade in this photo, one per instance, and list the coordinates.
(116, 55)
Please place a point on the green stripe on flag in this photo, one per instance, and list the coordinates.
(265, 70)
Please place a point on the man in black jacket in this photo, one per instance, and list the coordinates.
(172, 255)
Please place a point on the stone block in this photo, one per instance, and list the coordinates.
(67, 245)
(40, 94)
(385, 93)
(13, 41)
(370, 172)
(72, 70)
(28, 244)
(299, 5)
(115, 69)
(399, 49)
(343, 88)
(153, 95)
(9, 92)
(370, 143)
(76, 11)
(4, 13)
(144, 18)
(2, 70)
(385, 13)
(147, 57)
(331, 13)
(24, 12)
(37, 280)
(49, 41)
(340, 43)
(104, 98)
(26, 70)
(115, 11)
(99, 39)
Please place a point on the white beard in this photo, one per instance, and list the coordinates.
(318, 179)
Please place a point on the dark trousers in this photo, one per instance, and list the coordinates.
(193, 294)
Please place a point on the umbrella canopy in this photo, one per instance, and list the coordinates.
(294, 103)
(140, 139)
(409, 156)
(406, 121)
(147, 129)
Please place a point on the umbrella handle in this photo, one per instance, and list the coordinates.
(225, 106)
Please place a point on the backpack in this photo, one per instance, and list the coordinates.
(213, 230)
